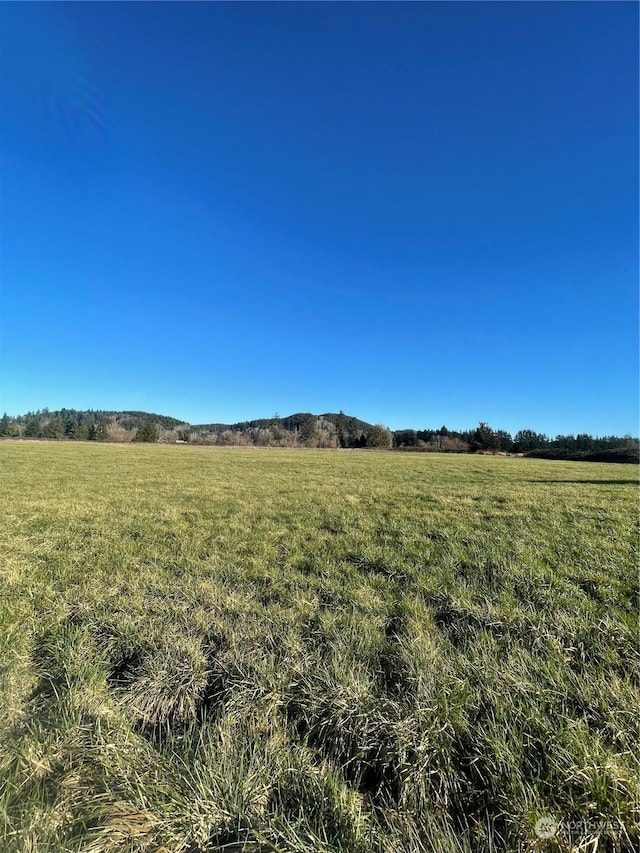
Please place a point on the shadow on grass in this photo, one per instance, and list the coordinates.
(591, 482)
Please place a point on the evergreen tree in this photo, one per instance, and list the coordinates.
(341, 430)
(147, 432)
(277, 432)
(81, 432)
(98, 431)
(54, 429)
(505, 442)
(355, 436)
(32, 427)
(405, 438)
(526, 440)
(484, 438)
(308, 430)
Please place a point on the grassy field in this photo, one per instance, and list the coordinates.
(209, 650)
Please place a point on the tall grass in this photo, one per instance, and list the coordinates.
(209, 650)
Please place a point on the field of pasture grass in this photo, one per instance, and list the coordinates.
(209, 649)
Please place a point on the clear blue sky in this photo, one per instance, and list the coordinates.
(419, 213)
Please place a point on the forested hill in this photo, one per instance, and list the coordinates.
(290, 423)
(304, 429)
(86, 425)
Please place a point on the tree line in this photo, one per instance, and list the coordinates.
(528, 442)
(330, 430)
(88, 425)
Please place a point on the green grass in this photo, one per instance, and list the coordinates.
(250, 650)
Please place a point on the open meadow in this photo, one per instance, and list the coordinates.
(218, 649)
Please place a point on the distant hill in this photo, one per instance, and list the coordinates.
(84, 424)
(290, 422)
(332, 417)
(132, 420)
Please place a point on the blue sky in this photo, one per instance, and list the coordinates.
(419, 213)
